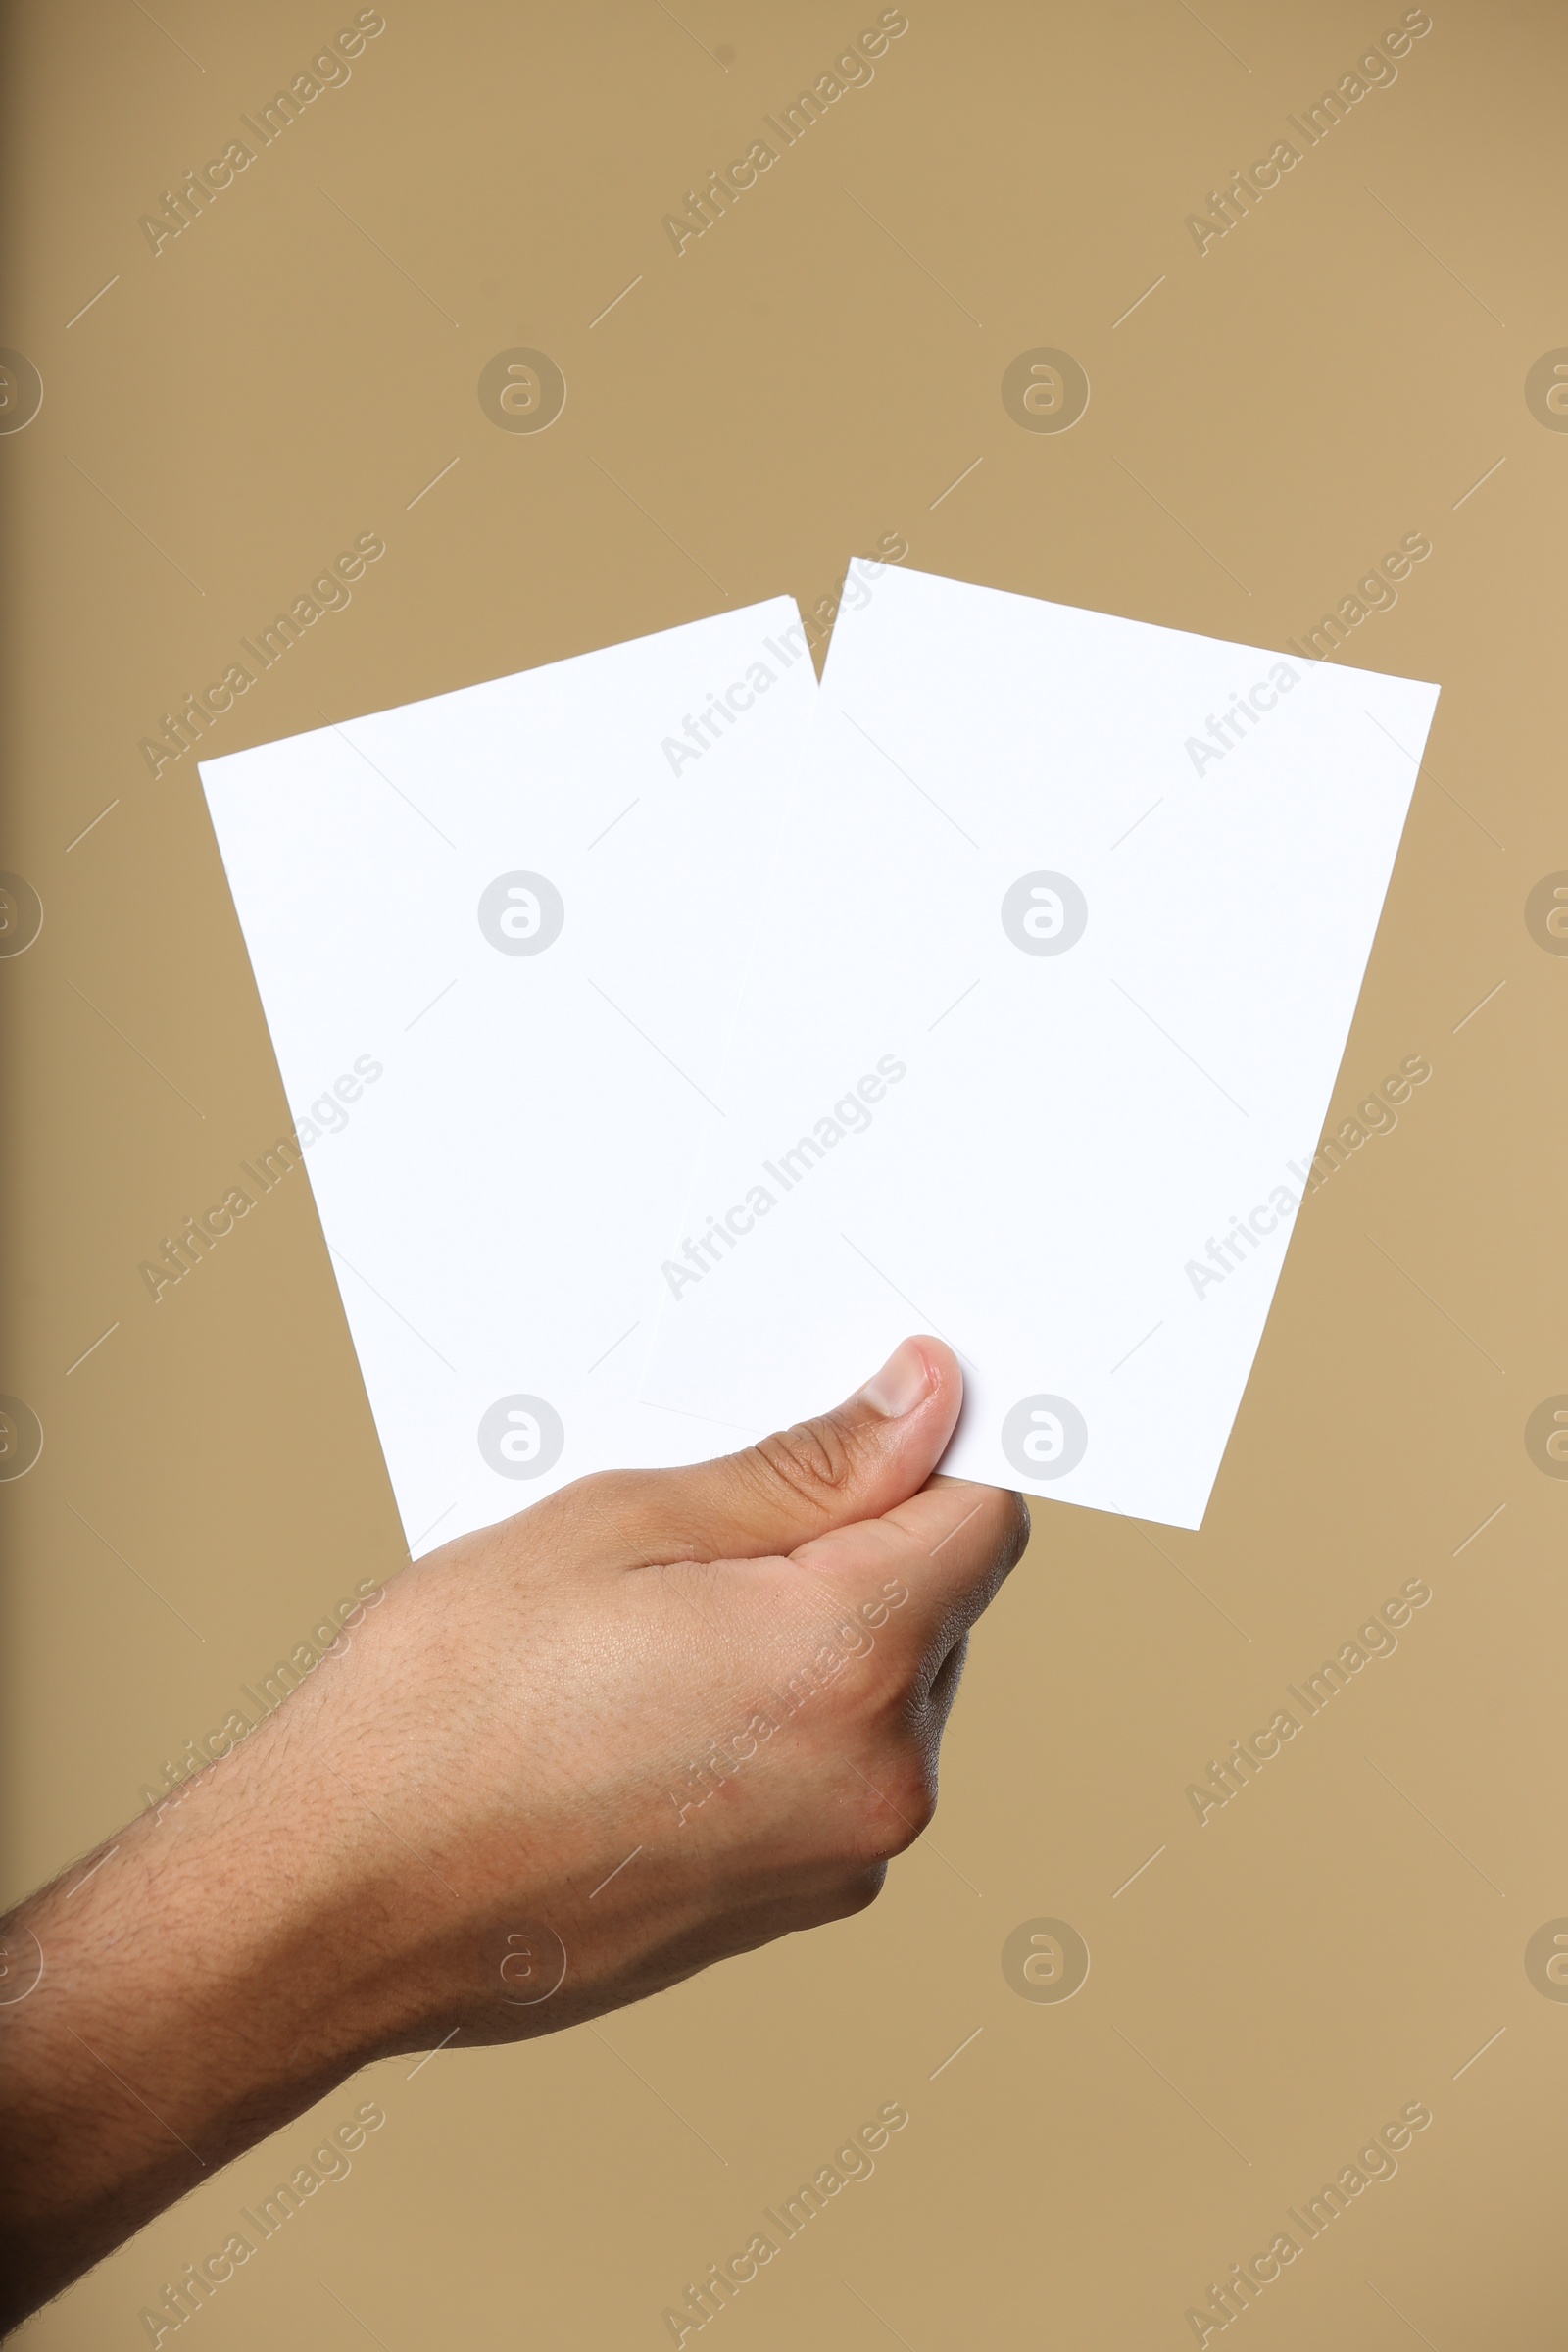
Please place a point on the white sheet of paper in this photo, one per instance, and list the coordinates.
(1048, 994)
(524, 908)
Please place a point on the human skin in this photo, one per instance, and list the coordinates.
(429, 1839)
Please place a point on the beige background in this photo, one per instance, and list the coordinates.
(1338, 371)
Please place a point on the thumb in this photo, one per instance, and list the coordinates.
(855, 1462)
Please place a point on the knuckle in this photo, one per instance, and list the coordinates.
(812, 1461)
(856, 1891)
(914, 1799)
(894, 1805)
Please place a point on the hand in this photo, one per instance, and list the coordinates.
(660, 1718)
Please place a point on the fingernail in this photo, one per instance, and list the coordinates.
(904, 1381)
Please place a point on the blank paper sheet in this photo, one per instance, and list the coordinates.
(1060, 956)
(498, 938)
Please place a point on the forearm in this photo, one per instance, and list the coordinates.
(188, 1995)
(323, 1896)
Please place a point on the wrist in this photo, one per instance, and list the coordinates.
(294, 1888)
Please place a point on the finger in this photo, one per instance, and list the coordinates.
(951, 1547)
(859, 1462)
